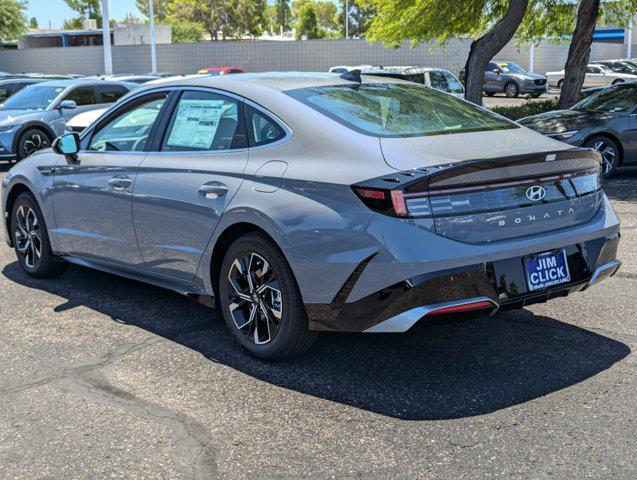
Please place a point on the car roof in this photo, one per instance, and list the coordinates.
(402, 70)
(21, 80)
(82, 81)
(278, 81)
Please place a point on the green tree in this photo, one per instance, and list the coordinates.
(33, 23)
(87, 9)
(12, 20)
(307, 23)
(73, 24)
(361, 12)
(494, 22)
(160, 9)
(283, 18)
(187, 32)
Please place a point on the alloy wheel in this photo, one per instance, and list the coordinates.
(511, 90)
(609, 156)
(34, 142)
(28, 236)
(255, 303)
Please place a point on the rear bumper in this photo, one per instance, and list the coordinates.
(490, 286)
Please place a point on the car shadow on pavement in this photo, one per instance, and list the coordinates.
(439, 370)
(623, 185)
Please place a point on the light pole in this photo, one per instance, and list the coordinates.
(153, 51)
(629, 39)
(346, 18)
(106, 39)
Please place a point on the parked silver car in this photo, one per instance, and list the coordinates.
(597, 75)
(301, 202)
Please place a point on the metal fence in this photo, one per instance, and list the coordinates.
(257, 56)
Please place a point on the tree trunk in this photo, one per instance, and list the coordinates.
(486, 47)
(579, 52)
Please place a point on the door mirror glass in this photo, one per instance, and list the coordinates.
(497, 71)
(68, 144)
(67, 105)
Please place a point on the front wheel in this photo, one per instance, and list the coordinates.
(511, 89)
(609, 151)
(32, 140)
(617, 82)
(260, 300)
(31, 239)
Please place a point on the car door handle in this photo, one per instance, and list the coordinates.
(213, 189)
(120, 182)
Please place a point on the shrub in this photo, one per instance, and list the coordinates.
(515, 112)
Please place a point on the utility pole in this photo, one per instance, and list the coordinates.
(153, 50)
(346, 18)
(629, 39)
(106, 37)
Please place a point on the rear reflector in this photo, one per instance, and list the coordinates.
(480, 305)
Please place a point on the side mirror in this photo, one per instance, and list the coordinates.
(67, 105)
(497, 71)
(67, 145)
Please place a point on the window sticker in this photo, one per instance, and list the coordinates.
(196, 123)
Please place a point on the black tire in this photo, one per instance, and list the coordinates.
(489, 94)
(511, 90)
(560, 84)
(617, 82)
(535, 95)
(28, 232)
(265, 336)
(32, 140)
(610, 152)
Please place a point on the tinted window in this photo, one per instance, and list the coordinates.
(453, 84)
(204, 121)
(438, 81)
(110, 93)
(397, 110)
(261, 128)
(8, 89)
(34, 97)
(82, 96)
(129, 130)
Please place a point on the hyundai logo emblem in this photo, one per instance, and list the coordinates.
(535, 193)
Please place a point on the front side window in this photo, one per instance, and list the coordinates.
(110, 93)
(398, 110)
(204, 121)
(82, 96)
(261, 128)
(35, 97)
(129, 131)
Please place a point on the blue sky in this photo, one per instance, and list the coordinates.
(57, 11)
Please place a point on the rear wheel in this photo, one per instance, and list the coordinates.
(535, 95)
(260, 300)
(489, 94)
(618, 81)
(31, 239)
(609, 151)
(560, 84)
(32, 140)
(511, 89)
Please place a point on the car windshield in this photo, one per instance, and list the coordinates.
(398, 110)
(629, 65)
(614, 99)
(36, 97)
(510, 67)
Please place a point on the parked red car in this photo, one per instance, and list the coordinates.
(219, 70)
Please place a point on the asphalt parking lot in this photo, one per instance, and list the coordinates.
(102, 377)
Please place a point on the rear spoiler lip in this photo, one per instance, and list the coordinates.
(441, 176)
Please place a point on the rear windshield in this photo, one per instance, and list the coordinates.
(398, 110)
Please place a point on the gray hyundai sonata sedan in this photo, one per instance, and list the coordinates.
(305, 202)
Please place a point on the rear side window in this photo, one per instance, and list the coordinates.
(262, 129)
(205, 121)
(110, 93)
(82, 96)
